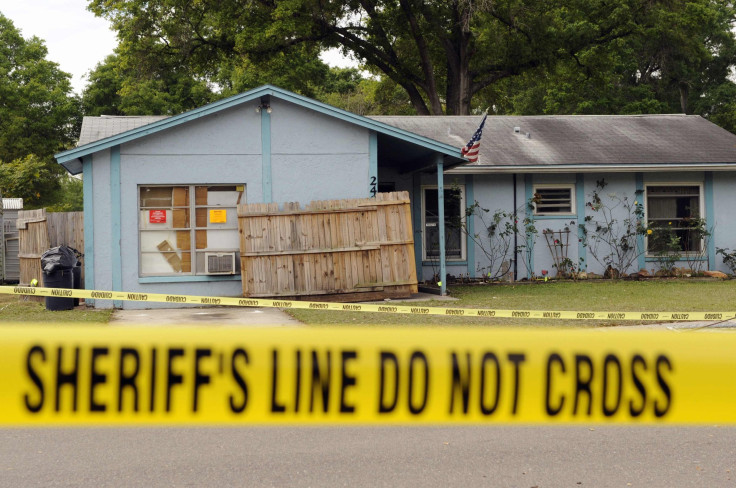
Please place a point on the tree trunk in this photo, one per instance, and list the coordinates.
(684, 92)
(459, 82)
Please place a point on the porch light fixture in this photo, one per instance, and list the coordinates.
(265, 106)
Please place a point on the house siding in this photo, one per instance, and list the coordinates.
(314, 156)
(724, 223)
(101, 232)
(495, 192)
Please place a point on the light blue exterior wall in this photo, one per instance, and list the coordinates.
(101, 209)
(495, 192)
(313, 157)
(724, 209)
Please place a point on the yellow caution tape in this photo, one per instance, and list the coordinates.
(366, 307)
(231, 376)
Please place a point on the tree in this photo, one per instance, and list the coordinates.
(678, 59)
(440, 52)
(31, 178)
(39, 114)
(116, 87)
(346, 88)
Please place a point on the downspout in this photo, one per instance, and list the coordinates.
(516, 242)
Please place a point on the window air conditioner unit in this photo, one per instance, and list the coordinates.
(219, 263)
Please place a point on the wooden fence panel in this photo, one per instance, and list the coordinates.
(345, 248)
(66, 228)
(39, 231)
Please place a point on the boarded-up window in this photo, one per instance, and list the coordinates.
(180, 225)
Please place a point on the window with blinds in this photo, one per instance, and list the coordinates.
(671, 210)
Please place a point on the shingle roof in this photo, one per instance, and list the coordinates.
(96, 128)
(555, 140)
(72, 159)
(581, 139)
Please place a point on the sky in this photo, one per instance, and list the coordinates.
(75, 38)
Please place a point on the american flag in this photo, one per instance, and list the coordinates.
(470, 150)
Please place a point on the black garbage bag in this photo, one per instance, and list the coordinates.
(58, 258)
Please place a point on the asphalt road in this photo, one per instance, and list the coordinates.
(523, 457)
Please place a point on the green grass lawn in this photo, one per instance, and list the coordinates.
(14, 308)
(595, 295)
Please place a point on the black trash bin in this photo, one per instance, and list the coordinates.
(58, 265)
(77, 274)
(60, 278)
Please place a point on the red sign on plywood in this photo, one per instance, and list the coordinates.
(157, 216)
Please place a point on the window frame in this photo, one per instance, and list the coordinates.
(701, 213)
(192, 208)
(463, 241)
(556, 186)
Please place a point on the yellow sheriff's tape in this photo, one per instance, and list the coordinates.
(366, 307)
(231, 376)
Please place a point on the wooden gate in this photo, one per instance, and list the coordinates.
(350, 249)
(39, 231)
(33, 240)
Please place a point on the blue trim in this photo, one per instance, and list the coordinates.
(89, 221)
(372, 163)
(441, 219)
(710, 219)
(555, 217)
(255, 94)
(115, 208)
(529, 194)
(640, 242)
(449, 262)
(418, 231)
(580, 209)
(185, 279)
(266, 156)
(470, 245)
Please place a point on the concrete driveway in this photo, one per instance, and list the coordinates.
(233, 316)
(256, 317)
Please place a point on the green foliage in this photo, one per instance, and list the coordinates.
(676, 57)
(348, 90)
(729, 258)
(39, 114)
(34, 180)
(70, 196)
(667, 248)
(687, 240)
(501, 230)
(612, 229)
(116, 87)
(440, 53)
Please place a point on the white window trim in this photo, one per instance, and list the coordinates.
(569, 186)
(463, 241)
(701, 202)
(192, 209)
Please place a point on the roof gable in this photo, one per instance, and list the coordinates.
(69, 159)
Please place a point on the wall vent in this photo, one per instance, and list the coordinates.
(220, 263)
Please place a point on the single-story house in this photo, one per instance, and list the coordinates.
(271, 145)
